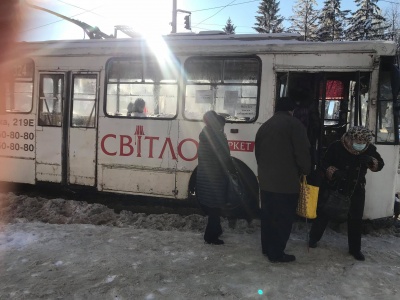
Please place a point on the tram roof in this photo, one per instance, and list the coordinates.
(208, 43)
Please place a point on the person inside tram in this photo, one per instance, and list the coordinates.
(306, 111)
(136, 109)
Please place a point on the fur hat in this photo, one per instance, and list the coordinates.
(360, 133)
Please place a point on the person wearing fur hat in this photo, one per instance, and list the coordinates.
(214, 163)
(282, 152)
(345, 165)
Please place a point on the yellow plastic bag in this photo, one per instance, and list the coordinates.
(308, 199)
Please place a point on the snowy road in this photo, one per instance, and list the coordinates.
(77, 261)
(87, 251)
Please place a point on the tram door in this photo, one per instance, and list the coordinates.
(66, 131)
(327, 103)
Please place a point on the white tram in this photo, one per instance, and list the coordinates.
(65, 118)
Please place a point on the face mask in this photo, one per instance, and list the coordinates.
(359, 147)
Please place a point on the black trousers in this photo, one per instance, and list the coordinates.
(396, 210)
(213, 228)
(354, 221)
(277, 216)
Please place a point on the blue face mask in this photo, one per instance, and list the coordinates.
(359, 147)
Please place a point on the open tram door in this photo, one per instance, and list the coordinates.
(355, 98)
(66, 131)
(327, 103)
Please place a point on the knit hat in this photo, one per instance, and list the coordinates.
(360, 133)
(284, 104)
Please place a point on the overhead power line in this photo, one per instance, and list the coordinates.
(216, 12)
(30, 29)
(89, 11)
(225, 6)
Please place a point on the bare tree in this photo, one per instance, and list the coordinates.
(304, 19)
(392, 15)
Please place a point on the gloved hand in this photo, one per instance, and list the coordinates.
(365, 159)
(339, 175)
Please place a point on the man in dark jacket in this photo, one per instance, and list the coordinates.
(282, 151)
(345, 165)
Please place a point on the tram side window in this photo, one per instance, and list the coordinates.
(154, 81)
(84, 101)
(229, 86)
(19, 90)
(51, 99)
(385, 124)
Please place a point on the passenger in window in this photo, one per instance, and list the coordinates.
(306, 111)
(282, 152)
(137, 108)
(345, 165)
(214, 161)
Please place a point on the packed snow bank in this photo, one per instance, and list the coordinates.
(22, 208)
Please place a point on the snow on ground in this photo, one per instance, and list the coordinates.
(64, 249)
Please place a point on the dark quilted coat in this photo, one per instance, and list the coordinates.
(214, 161)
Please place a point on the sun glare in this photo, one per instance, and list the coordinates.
(151, 19)
(146, 17)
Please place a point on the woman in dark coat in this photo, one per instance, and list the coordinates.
(345, 165)
(214, 161)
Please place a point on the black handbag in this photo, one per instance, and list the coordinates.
(236, 192)
(336, 205)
